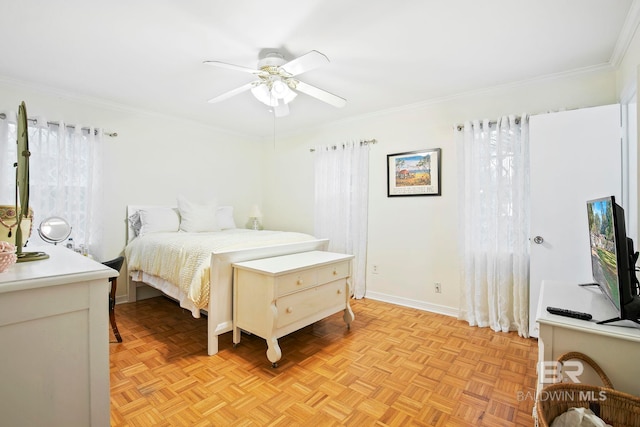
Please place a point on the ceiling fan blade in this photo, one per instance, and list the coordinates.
(233, 92)
(232, 67)
(320, 94)
(281, 109)
(304, 63)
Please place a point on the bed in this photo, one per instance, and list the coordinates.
(195, 267)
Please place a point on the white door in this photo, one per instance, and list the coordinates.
(575, 156)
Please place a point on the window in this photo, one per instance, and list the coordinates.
(64, 175)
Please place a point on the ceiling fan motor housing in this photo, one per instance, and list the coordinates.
(272, 60)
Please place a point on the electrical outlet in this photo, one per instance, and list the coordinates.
(438, 288)
(375, 269)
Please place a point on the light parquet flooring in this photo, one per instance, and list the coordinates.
(397, 366)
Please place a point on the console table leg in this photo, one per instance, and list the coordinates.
(273, 351)
(348, 316)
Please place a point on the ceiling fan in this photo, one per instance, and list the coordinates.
(277, 84)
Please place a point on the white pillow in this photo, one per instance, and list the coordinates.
(225, 218)
(196, 217)
(154, 220)
(135, 223)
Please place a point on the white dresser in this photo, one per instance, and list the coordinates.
(54, 341)
(614, 347)
(273, 297)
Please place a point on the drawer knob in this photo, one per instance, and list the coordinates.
(289, 310)
(335, 272)
(299, 282)
(339, 291)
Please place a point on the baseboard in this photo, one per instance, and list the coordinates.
(122, 299)
(420, 305)
(144, 292)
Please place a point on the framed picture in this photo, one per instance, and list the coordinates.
(416, 173)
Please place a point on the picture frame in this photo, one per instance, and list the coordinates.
(414, 173)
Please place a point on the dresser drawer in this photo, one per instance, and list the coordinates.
(332, 272)
(292, 282)
(299, 305)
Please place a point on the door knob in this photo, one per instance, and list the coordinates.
(538, 239)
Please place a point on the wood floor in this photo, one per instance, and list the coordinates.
(397, 366)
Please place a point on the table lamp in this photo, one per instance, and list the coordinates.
(254, 218)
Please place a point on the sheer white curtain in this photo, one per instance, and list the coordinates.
(341, 203)
(65, 177)
(494, 223)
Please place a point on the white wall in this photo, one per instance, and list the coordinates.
(153, 159)
(413, 240)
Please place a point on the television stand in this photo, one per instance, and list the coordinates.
(559, 335)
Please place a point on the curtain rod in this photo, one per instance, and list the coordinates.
(459, 127)
(111, 134)
(362, 142)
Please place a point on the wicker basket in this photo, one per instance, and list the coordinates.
(614, 407)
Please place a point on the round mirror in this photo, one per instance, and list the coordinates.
(54, 230)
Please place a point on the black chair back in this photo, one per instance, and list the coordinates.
(115, 263)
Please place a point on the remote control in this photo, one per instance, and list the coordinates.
(569, 313)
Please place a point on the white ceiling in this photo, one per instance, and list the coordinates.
(385, 54)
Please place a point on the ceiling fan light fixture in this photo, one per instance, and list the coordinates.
(290, 96)
(281, 90)
(262, 94)
(271, 96)
(278, 88)
(281, 110)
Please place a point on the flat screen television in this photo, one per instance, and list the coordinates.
(613, 258)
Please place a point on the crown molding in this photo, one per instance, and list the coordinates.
(113, 106)
(626, 35)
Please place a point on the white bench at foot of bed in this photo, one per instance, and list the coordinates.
(220, 318)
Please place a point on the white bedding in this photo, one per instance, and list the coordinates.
(183, 259)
